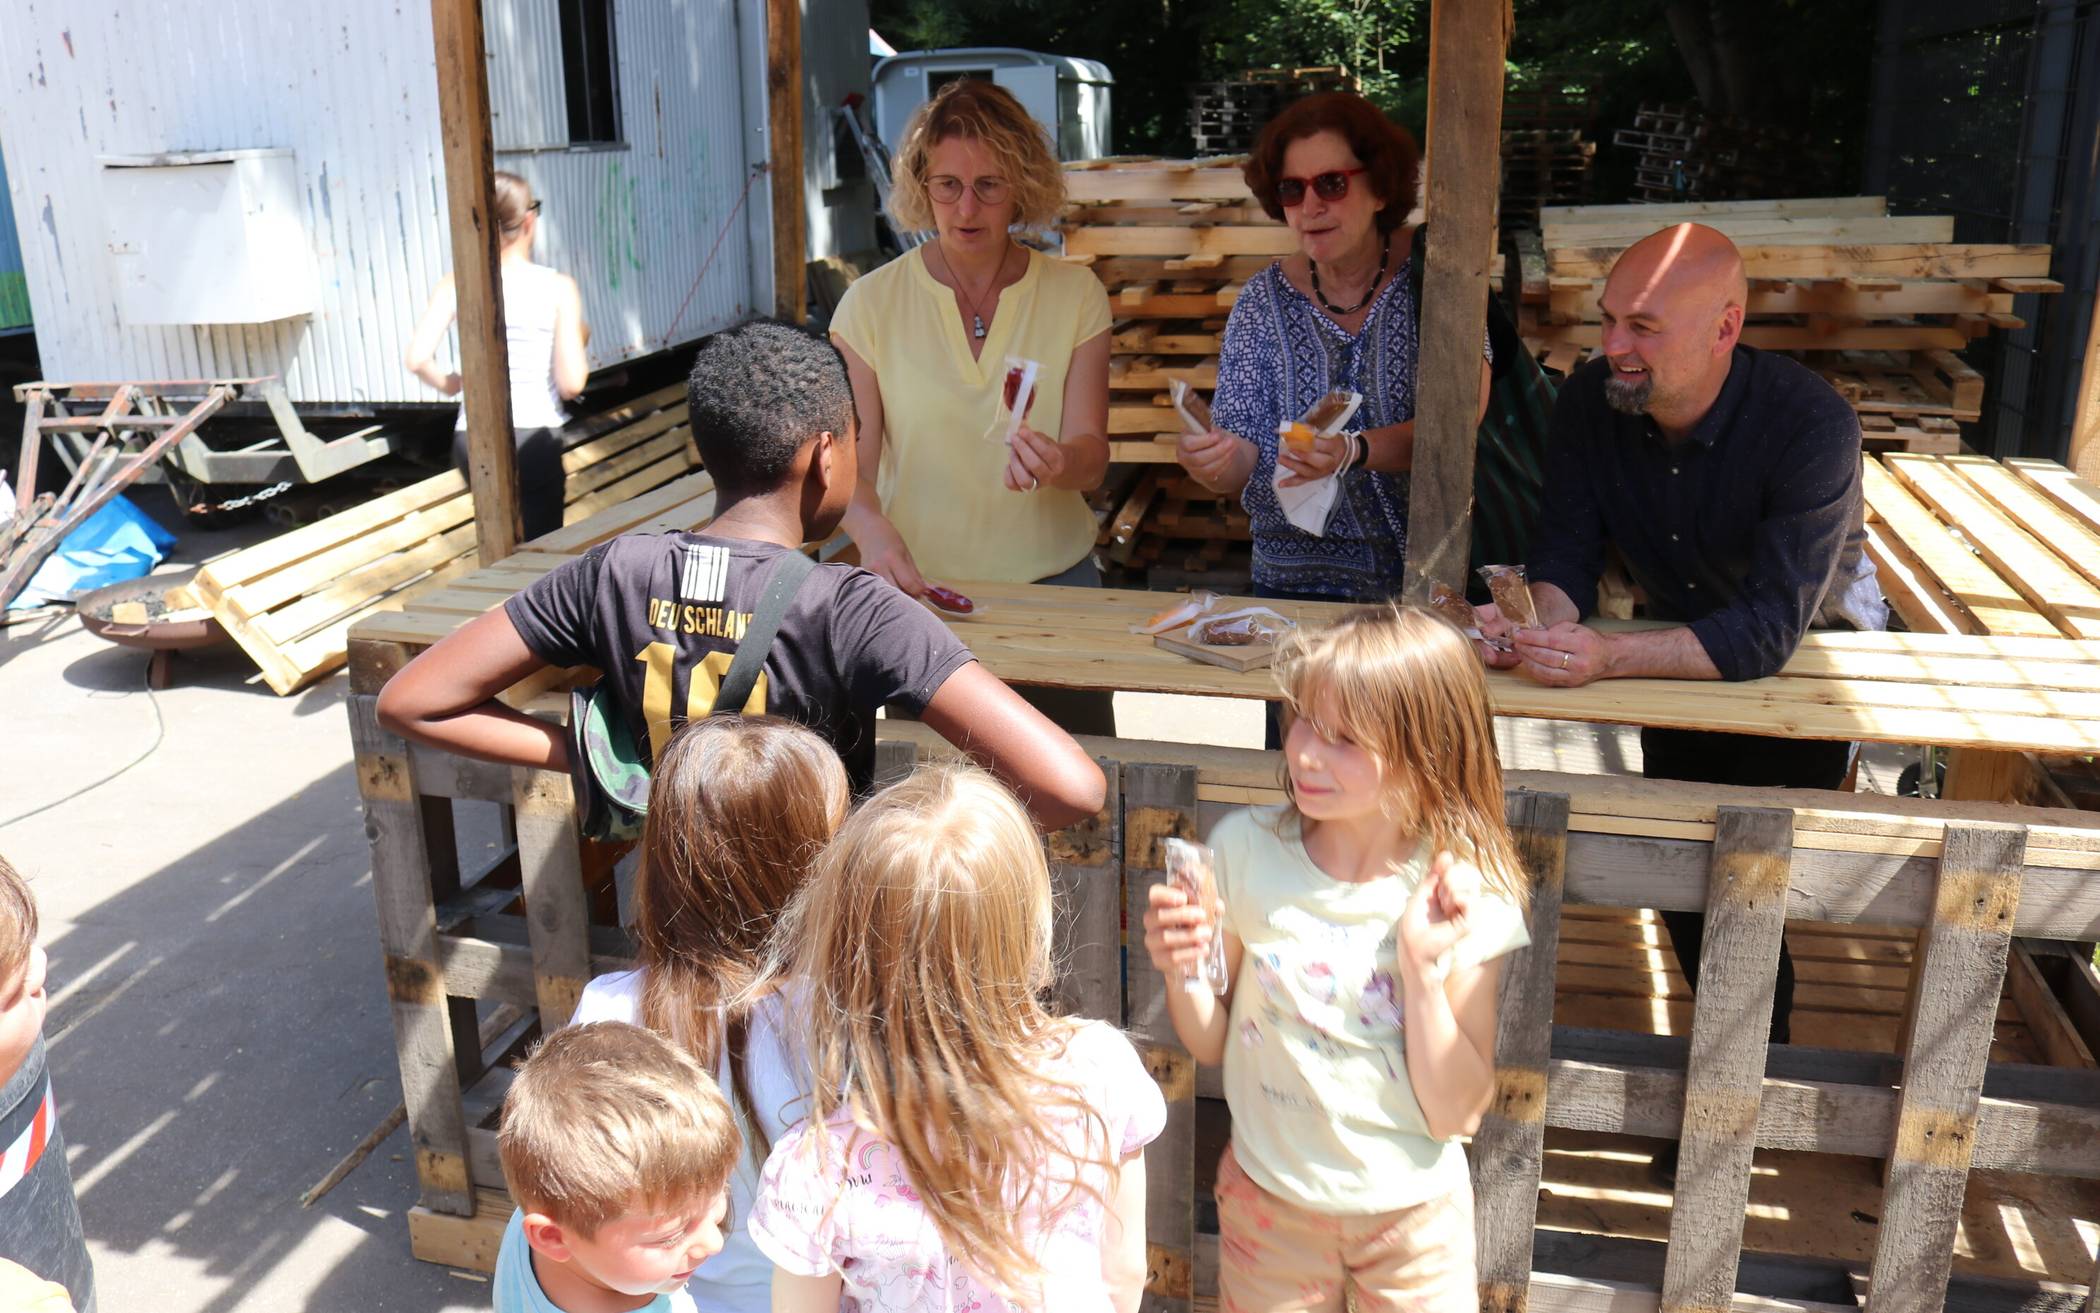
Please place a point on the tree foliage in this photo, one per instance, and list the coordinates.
(1800, 65)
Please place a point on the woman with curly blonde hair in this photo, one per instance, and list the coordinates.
(926, 339)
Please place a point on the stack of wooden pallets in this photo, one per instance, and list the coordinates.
(1541, 167)
(289, 602)
(1172, 241)
(1876, 302)
(1686, 154)
(1226, 116)
(1168, 531)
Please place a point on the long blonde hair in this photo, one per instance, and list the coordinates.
(1405, 686)
(739, 809)
(925, 938)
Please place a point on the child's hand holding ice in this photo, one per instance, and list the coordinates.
(1177, 931)
(1435, 919)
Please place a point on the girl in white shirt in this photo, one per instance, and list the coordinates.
(544, 330)
(1361, 921)
(739, 808)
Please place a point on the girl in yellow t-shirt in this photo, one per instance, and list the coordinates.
(1369, 913)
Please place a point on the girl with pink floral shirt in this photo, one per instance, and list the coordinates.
(965, 1149)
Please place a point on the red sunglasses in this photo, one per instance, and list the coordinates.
(1330, 186)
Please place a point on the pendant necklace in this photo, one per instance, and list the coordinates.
(976, 312)
(1385, 253)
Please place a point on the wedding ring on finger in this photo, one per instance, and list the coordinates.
(1565, 658)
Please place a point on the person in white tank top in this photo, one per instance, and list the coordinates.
(544, 328)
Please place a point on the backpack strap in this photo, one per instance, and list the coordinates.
(781, 587)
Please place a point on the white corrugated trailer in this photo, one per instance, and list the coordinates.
(241, 188)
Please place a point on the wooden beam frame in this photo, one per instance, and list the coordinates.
(2084, 456)
(784, 141)
(477, 277)
(1467, 39)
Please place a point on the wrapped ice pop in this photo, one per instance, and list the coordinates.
(1242, 628)
(1016, 399)
(1191, 868)
(1449, 603)
(1198, 603)
(1190, 405)
(1512, 595)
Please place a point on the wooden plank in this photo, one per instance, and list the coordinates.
(2083, 455)
(2039, 575)
(2062, 533)
(549, 857)
(1891, 260)
(1576, 300)
(784, 157)
(1963, 968)
(1731, 1027)
(1156, 184)
(1177, 240)
(1995, 604)
(1463, 158)
(2073, 492)
(2030, 1119)
(1912, 590)
(1680, 211)
(1158, 803)
(477, 275)
(1763, 230)
(1787, 337)
(2058, 1039)
(402, 888)
(1086, 880)
(1506, 1150)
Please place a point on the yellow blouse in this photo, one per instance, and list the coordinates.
(941, 481)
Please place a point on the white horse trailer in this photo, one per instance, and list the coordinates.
(1070, 97)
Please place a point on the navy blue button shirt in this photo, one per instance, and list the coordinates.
(1737, 530)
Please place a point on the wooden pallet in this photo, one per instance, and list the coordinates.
(290, 602)
(1836, 274)
(1591, 843)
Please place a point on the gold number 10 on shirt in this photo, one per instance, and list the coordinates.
(660, 661)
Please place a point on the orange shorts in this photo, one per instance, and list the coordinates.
(1277, 1257)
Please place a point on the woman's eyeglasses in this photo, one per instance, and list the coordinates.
(1329, 186)
(533, 208)
(948, 189)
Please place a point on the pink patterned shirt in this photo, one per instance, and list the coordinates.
(844, 1205)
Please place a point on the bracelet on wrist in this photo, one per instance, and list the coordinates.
(1360, 451)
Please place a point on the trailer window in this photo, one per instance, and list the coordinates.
(590, 70)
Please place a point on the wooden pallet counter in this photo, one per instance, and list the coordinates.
(1762, 863)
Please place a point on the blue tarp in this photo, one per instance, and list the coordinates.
(116, 543)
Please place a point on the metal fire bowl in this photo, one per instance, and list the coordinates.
(156, 635)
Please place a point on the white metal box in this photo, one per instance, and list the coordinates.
(212, 237)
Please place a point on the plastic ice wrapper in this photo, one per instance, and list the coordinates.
(947, 601)
(1191, 868)
(1512, 595)
(1192, 607)
(1016, 399)
(1451, 604)
(1242, 628)
(1190, 406)
(1323, 419)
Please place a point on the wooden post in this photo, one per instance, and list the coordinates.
(1159, 803)
(557, 914)
(1966, 948)
(470, 199)
(1466, 43)
(1509, 1148)
(2084, 458)
(1724, 1078)
(1086, 877)
(784, 137)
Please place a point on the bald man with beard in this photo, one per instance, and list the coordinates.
(1728, 479)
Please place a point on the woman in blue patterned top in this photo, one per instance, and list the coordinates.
(1339, 314)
